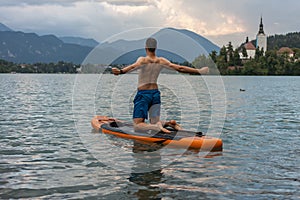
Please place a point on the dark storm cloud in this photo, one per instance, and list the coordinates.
(218, 20)
(70, 2)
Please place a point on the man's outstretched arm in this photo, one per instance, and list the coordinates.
(129, 68)
(185, 69)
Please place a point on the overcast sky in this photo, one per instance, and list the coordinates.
(220, 21)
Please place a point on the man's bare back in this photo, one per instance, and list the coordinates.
(150, 68)
(149, 73)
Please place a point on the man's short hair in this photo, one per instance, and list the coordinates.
(151, 44)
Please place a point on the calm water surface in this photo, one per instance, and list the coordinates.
(45, 155)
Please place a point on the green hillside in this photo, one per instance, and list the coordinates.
(291, 40)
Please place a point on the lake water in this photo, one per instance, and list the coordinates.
(49, 150)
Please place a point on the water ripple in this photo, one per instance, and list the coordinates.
(42, 155)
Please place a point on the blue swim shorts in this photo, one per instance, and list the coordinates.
(147, 101)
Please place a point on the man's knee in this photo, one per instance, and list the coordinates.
(138, 120)
(154, 120)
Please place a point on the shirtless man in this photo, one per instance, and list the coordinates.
(147, 98)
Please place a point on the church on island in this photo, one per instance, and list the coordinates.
(248, 49)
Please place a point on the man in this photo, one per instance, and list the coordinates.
(147, 98)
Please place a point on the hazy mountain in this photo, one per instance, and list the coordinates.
(173, 44)
(176, 45)
(205, 43)
(4, 28)
(22, 47)
(79, 41)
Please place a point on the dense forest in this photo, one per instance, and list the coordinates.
(60, 67)
(291, 40)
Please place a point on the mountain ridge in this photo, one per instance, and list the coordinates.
(174, 44)
(3, 27)
(20, 47)
(79, 41)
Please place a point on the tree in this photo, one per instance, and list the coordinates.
(230, 53)
(213, 56)
(258, 53)
(203, 61)
(236, 58)
(223, 54)
(221, 64)
(244, 52)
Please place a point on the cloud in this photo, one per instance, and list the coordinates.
(97, 19)
(71, 2)
(125, 10)
(196, 18)
(218, 20)
(37, 2)
(126, 2)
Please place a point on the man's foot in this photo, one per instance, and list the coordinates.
(155, 127)
(173, 124)
(161, 128)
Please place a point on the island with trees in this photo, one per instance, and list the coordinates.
(281, 58)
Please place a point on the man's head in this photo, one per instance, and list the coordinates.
(151, 44)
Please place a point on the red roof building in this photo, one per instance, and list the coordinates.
(249, 46)
(286, 50)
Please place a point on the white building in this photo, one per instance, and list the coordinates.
(250, 49)
(261, 37)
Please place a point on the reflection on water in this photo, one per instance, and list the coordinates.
(146, 156)
(149, 184)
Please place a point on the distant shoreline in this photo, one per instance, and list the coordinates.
(210, 75)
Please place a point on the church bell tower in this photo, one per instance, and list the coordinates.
(261, 37)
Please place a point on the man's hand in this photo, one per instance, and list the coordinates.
(204, 70)
(116, 71)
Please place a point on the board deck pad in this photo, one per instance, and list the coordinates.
(127, 128)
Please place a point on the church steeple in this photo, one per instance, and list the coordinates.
(261, 37)
(261, 27)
